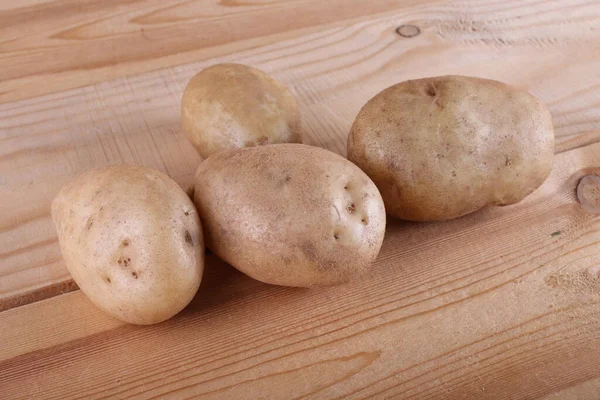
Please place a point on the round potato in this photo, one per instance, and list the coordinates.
(231, 106)
(290, 214)
(439, 148)
(132, 240)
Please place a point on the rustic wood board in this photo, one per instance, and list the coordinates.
(504, 303)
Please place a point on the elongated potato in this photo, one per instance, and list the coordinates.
(439, 148)
(132, 240)
(231, 106)
(290, 214)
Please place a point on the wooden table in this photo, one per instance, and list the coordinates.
(501, 304)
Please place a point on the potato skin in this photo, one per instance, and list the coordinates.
(439, 148)
(132, 240)
(290, 214)
(230, 106)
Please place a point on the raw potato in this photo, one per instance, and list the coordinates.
(439, 148)
(132, 240)
(290, 214)
(230, 106)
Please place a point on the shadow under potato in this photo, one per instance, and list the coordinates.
(222, 284)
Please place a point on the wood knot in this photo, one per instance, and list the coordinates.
(588, 193)
(408, 31)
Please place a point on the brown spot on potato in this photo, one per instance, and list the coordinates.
(262, 140)
(188, 238)
(134, 274)
(107, 279)
(336, 236)
(124, 260)
(89, 223)
(309, 251)
(126, 242)
(351, 208)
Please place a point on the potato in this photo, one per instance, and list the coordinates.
(290, 214)
(439, 148)
(230, 106)
(132, 240)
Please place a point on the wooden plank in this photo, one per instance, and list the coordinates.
(547, 48)
(56, 45)
(581, 391)
(503, 303)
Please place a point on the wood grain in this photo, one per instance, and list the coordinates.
(503, 303)
(49, 139)
(54, 45)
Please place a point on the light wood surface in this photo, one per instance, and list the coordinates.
(504, 303)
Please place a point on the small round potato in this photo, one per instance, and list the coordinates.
(132, 240)
(439, 148)
(290, 214)
(231, 106)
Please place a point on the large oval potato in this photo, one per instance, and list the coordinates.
(230, 106)
(439, 148)
(290, 214)
(132, 240)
